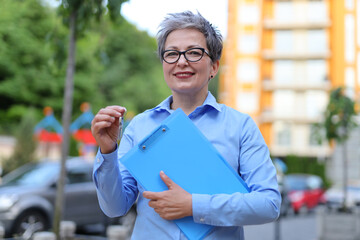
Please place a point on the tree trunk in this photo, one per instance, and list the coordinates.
(66, 119)
(345, 175)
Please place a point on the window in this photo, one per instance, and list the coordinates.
(283, 134)
(283, 41)
(315, 135)
(317, 41)
(247, 102)
(283, 11)
(284, 103)
(249, 14)
(317, 11)
(248, 43)
(350, 48)
(315, 103)
(316, 71)
(283, 72)
(79, 176)
(248, 71)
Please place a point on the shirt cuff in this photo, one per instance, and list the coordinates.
(200, 208)
(106, 161)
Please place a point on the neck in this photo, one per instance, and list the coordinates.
(188, 103)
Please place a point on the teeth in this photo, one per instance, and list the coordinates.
(184, 74)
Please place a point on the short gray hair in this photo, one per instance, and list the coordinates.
(189, 20)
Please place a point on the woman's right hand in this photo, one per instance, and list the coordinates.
(105, 127)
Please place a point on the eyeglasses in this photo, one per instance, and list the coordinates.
(191, 55)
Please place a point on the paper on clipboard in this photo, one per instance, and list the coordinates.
(178, 148)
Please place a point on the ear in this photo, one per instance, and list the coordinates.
(214, 68)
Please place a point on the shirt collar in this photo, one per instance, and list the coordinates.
(209, 101)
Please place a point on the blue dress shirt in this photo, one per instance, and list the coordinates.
(239, 141)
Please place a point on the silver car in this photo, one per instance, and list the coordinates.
(27, 198)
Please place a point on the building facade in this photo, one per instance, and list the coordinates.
(281, 59)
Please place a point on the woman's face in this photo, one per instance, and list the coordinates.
(185, 77)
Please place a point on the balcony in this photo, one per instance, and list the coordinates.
(273, 55)
(306, 151)
(269, 85)
(270, 24)
(268, 116)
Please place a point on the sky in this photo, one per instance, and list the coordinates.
(147, 14)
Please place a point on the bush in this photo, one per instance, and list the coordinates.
(309, 165)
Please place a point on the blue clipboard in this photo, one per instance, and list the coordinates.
(178, 148)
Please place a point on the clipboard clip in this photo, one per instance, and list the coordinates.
(146, 143)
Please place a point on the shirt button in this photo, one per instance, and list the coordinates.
(98, 160)
(202, 219)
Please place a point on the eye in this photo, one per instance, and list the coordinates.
(194, 52)
(171, 54)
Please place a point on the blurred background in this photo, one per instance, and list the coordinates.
(293, 65)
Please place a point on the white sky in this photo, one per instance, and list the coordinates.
(147, 14)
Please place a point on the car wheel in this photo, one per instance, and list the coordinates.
(28, 223)
(302, 210)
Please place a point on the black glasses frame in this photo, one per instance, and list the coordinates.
(184, 53)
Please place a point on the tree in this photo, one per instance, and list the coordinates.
(25, 79)
(25, 147)
(133, 76)
(338, 123)
(77, 14)
(115, 64)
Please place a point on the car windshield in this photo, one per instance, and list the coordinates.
(295, 183)
(34, 174)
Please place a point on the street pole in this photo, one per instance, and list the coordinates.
(277, 229)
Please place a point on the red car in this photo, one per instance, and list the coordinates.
(303, 192)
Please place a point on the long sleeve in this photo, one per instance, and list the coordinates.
(116, 188)
(238, 140)
(261, 205)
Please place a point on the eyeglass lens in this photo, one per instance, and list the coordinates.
(191, 55)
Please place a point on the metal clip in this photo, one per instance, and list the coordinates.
(121, 125)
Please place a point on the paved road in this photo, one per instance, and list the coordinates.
(302, 227)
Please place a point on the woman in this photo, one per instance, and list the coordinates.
(190, 49)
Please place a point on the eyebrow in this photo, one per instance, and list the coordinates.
(191, 46)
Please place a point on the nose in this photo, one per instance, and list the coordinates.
(182, 59)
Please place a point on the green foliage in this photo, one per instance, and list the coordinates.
(115, 64)
(339, 116)
(298, 164)
(88, 10)
(25, 79)
(338, 124)
(134, 74)
(74, 148)
(25, 147)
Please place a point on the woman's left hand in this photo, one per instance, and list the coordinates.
(172, 204)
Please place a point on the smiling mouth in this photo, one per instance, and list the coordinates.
(188, 74)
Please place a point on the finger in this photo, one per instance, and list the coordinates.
(151, 195)
(119, 109)
(102, 121)
(114, 111)
(104, 118)
(154, 204)
(168, 182)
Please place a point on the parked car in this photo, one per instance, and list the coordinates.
(302, 192)
(334, 196)
(285, 207)
(27, 197)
